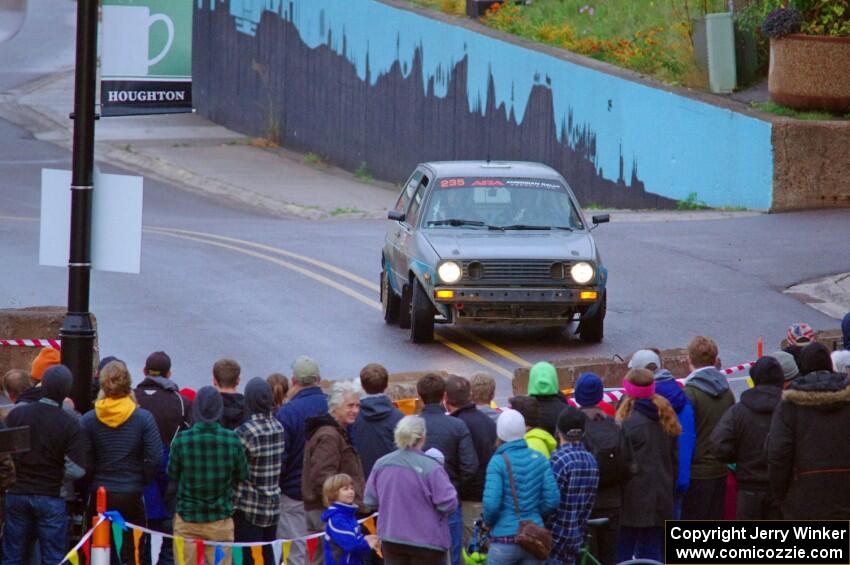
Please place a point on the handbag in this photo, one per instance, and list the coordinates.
(531, 537)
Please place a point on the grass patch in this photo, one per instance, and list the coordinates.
(315, 160)
(692, 202)
(733, 209)
(242, 141)
(362, 173)
(342, 211)
(594, 206)
(774, 108)
(651, 37)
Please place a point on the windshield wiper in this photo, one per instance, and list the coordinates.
(455, 222)
(520, 227)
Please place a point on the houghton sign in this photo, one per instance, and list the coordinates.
(146, 57)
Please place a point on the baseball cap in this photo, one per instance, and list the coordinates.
(158, 364)
(643, 358)
(800, 333)
(305, 369)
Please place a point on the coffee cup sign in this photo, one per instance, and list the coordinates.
(127, 30)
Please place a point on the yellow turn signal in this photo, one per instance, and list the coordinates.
(588, 295)
(445, 294)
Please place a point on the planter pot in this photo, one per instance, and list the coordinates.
(810, 72)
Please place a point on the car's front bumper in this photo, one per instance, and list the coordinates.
(534, 306)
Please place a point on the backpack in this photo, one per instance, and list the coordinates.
(608, 444)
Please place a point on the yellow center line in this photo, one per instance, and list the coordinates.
(333, 284)
(500, 351)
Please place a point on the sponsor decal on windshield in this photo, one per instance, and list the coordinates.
(466, 182)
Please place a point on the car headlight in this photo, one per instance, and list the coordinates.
(449, 272)
(582, 272)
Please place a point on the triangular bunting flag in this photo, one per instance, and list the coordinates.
(199, 551)
(179, 555)
(257, 554)
(73, 558)
(287, 548)
(156, 547)
(276, 551)
(369, 524)
(311, 547)
(137, 544)
(118, 536)
(237, 553)
(219, 555)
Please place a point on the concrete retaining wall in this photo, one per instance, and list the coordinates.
(381, 83)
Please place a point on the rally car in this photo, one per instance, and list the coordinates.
(474, 242)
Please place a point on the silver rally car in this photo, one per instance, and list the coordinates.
(474, 242)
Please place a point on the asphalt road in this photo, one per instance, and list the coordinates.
(220, 281)
(277, 288)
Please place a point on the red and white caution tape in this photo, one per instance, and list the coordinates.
(54, 343)
(738, 368)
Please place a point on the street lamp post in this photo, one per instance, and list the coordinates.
(77, 331)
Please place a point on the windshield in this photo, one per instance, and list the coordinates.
(500, 203)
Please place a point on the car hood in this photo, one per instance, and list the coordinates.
(482, 245)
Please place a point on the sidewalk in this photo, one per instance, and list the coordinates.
(191, 152)
(198, 155)
(830, 295)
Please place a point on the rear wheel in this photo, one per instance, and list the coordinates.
(404, 308)
(592, 330)
(421, 316)
(389, 301)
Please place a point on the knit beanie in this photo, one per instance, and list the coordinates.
(767, 372)
(46, 358)
(588, 390)
(788, 364)
(56, 383)
(208, 405)
(510, 426)
(815, 357)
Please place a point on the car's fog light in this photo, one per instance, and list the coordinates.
(588, 295)
(445, 294)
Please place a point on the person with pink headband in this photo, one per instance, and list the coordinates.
(652, 428)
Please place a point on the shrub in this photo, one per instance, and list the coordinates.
(781, 22)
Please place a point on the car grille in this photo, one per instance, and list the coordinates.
(513, 271)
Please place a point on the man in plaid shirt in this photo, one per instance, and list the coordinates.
(258, 498)
(207, 462)
(577, 474)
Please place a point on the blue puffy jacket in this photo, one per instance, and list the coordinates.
(667, 387)
(536, 489)
(344, 541)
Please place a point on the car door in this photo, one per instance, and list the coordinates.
(405, 237)
(395, 231)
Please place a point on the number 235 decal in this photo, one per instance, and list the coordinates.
(448, 183)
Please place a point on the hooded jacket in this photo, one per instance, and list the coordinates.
(55, 439)
(807, 455)
(125, 448)
(328, 451)
(345, 543)
(451, 436)
(543, 384)
(235, 412)
(666, 386)
(541, 441)
(310, 401)
(708, 391)
(482, 430)
(372, 432)
(172, 412)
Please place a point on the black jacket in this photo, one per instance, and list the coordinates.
(483, 431)
(807, 454)
(648, 495)
(550, 408)
(54, 435)
(741, 433)
(372, 432)
(452, 438)
(171, 411)
(33, 394)
(598, 425)
(235, 413)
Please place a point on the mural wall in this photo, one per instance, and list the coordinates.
(361, 81)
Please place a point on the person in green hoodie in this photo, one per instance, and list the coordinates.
(543, 385)
(536, 437)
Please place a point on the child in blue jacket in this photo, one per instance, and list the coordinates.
(344, 541)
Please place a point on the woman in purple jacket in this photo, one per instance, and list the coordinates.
(414, 497)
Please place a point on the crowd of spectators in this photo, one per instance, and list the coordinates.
(289, 457)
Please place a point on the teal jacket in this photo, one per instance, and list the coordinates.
(536, 489)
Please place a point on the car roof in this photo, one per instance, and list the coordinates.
(500, 169)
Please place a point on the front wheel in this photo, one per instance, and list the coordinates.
(421, 316)
(592, 330)
(390, 303)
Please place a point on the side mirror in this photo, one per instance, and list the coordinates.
(601, 219)
(397, 216)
